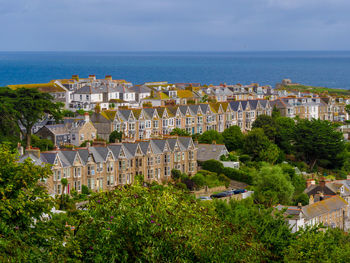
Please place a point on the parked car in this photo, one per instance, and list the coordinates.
(222, 194)
(204, 198)
(239, 191)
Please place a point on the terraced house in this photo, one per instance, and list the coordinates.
(147, 123)
(106, 166)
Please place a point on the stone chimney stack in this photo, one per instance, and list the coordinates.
(92, 77)
(33, 151)
(311, 200)
(310, 182)
(86, 117)
(108, 77)
(322, 183)
(75, 77)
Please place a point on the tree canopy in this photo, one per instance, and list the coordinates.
(25, 107)
(233, 138)
(316, 140)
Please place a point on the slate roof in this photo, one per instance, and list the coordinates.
(324, 206)
(210, 151)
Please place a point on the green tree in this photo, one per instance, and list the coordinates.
(233, 138)
(175, 174)
(211, 136)
(270, 154)
(115, 135)
(180, 132)
(42, 144)
(256, 142)
(271, 186)
(285, 128)
(204, 99)
(28, 106)
(267, 123)
(316, 140)
(213, 166)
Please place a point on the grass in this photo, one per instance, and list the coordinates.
(317, 90)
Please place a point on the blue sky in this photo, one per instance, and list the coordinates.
(179, 25)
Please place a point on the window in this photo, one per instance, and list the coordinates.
(81, 97)
(167, 171)
(131, 126)
(91, 183)
(99, 167)
(110, 180)
(200, 119)
(150, 173)
(82, 137)
(191, 155)
(165, 123)
(59, 189)
(183, 156)
(87, 97)
(158, 159)
(122, 164)
(109, 167)
(150, 161)
(191, 169)
(148, 124)
(77, 185)
(77, 172)
(178, 122)
(155, 124)
(91, 170)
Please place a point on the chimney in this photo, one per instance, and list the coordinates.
(99, 143)
(20, 149)
(322, 183)
(75, 77)
(300, 206)
(310, 182)
(86, 117)
(33, 151)
(92, 77)
(108, 77)
(214, 142)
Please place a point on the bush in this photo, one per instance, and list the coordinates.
(213, 166)
(223, 178)
(175, 174)
(85, 190)
(245, 158)
(198, 180)
(181, 186)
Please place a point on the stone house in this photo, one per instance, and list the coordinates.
(106, 166)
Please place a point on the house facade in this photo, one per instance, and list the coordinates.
(104, 167)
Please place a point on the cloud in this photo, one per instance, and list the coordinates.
(174, 24)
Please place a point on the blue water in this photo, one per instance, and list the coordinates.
(329, 69)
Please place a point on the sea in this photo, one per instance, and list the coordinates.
(317, 68)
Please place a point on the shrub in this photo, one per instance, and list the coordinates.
(175, 174)
(245, 158)
(85, 190)
(198, 180)
(213, 166)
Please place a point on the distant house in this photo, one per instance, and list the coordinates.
(72, 131)
(331, 212)
(211, 151)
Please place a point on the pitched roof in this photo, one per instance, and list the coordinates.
(184, 94)
(210, 151)
(324, 206)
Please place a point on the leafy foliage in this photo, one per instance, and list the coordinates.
(180, 132)
(233, 138)
(115, 135)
